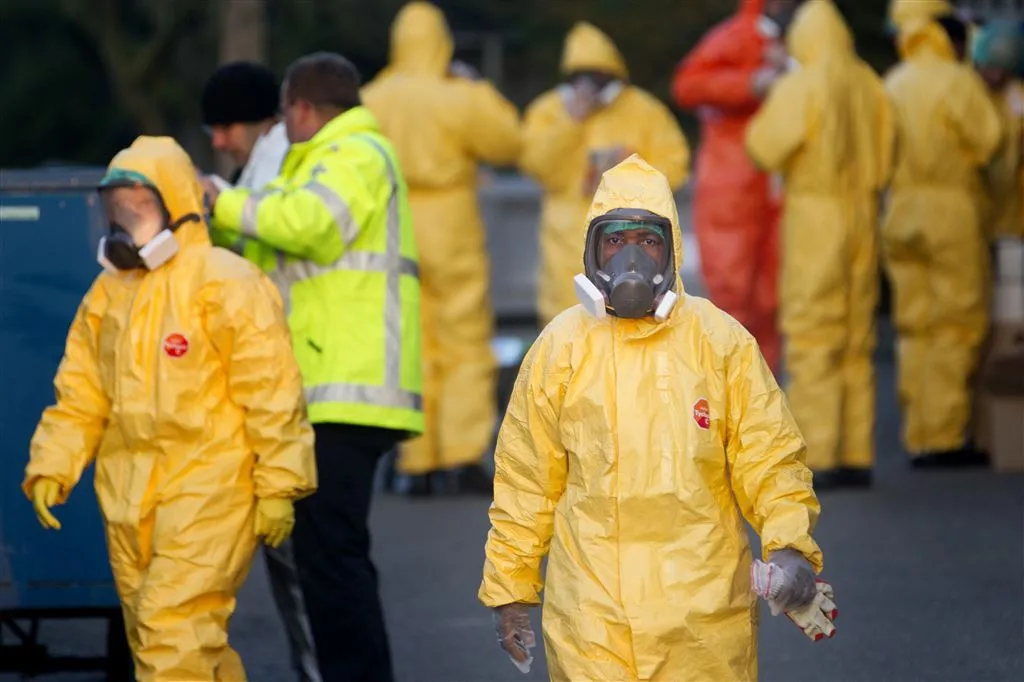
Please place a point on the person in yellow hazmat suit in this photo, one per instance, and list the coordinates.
(998, 57)
(178, 379)
(639, 505)
(933, 240)
(573, 133)
(903, 12)
(827, 127)
(443, 125)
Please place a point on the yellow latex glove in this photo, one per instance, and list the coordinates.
(45, 493)
(274, 520)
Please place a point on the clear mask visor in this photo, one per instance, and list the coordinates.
(137, 210)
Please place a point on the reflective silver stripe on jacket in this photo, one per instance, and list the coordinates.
(348, 230)
(391, 263)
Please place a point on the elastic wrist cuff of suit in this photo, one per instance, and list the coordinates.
(31, 481)
(813, 557)
(227, 212)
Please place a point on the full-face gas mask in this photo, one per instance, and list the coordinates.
(140, 233)
(606, 87)
(630, 265)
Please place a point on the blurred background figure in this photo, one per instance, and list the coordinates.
(593, 120)
(933, 239)
(828, 128)
(444, 121)
(724, 79)
(240, 113)
(998, 56)
(902, 12)
(240, 110)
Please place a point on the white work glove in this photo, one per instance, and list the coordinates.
(788, 584)
(816, 619)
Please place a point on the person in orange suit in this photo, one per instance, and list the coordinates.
(736, 212)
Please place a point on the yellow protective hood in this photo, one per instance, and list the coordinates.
(587, 48)
(818, 29)
(169, 168)
(634, 183)
(420, 41)
(903, 12)
(924, 36)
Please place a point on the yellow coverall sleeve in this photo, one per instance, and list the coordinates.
(766, 456)
(245, 322)
(493, 131)
(553, 144)
(529, 480)
(69, 432)
(974, 116)
(780, 126)
(231, 237)
(315, 221)
(667, 148)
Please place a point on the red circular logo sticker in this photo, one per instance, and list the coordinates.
(702, 414)
(175, 345)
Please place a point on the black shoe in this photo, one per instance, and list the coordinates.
(843, 477)
(469, 480)
(830, 479)
(417, 485)
(961, 458)
(851, 477)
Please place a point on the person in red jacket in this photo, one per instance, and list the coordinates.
(724, 79)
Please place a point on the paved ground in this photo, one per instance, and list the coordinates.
(928, 569)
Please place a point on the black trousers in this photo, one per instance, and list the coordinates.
(332, 553)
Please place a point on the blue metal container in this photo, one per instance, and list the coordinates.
(50, 225)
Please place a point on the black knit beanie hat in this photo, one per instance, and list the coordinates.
(240, 92)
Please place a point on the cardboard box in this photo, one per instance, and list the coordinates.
(999, 404)
(1006, 424)
(1002, 339)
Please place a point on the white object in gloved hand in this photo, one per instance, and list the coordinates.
(814, 618)
(515, 634)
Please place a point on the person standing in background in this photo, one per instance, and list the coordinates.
(240, 106)
(903, 12)
(572, 134)
(444, 121)
(828, 127)
(724, 79)
(240, 112)
(933, 239)
(998, 57)
(334, 233)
